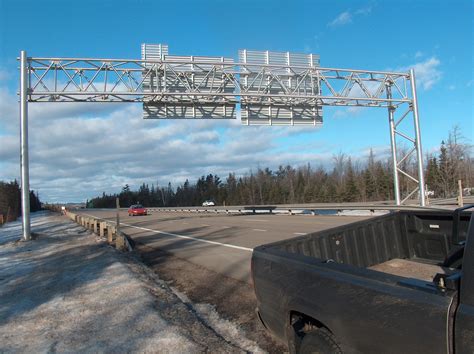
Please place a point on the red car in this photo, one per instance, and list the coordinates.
(137, 210)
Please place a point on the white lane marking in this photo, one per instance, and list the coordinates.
(256, 220)
(205, 225)
(180, 236)
(191, 238)
(226, 227)
(259, 230)
(299, 233)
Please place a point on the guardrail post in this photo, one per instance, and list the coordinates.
(119, 241)
(102, 228)
(111, 230)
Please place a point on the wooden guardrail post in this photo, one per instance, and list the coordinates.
(102, 228)
(111, 230)
(120, 242)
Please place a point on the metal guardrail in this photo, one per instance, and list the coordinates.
(290, 209)
(312, 208)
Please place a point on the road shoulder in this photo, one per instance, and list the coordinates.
(69, 291)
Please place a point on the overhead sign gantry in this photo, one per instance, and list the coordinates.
(271, 88)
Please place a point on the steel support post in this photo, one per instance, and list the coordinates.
(419, 153)
(25, 176)
(117, 204)
(393, 144)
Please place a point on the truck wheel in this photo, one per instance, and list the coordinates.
(319, 341)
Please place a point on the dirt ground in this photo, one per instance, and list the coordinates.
(234, 300)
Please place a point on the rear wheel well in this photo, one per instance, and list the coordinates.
(300, 324)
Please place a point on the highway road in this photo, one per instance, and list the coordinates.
(206, 256)
(218, 242)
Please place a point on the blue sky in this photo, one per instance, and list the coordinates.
(435, 37)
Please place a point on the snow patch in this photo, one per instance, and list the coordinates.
(363, 212)
(225, 328)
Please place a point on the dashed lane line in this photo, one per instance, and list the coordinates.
(261, 230)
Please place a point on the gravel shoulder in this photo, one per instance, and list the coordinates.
(68, 291)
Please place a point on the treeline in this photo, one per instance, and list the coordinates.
(10, 201)
(347, 181)
(453, 163)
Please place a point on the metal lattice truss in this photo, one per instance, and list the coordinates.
(206, 87)
(192, 80)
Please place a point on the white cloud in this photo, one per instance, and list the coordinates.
(348, 17)
(77, 151)
(364, 10)
(427, 72)
(418, 54)
(343, 18)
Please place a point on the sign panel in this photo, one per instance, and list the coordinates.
(191, 86)
(279, 88)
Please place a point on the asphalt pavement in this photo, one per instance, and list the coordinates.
(220, 243)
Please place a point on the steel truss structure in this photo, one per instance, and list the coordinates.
(198, 87)
(172, 80)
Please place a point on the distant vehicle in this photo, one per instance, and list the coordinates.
(208, 203)
(398, 283)
(137, 209)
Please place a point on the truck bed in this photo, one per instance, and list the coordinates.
(411, 269)
(406, 244)
(370, 284)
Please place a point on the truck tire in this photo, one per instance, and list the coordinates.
(319, 341)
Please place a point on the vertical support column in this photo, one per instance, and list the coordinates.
(419, 153)
(460, 198)
(25, 175)
(117, 204)
(393, 144)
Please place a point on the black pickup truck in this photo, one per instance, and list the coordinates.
(398, 283)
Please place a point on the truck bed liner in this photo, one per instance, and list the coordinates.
(411, 269)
